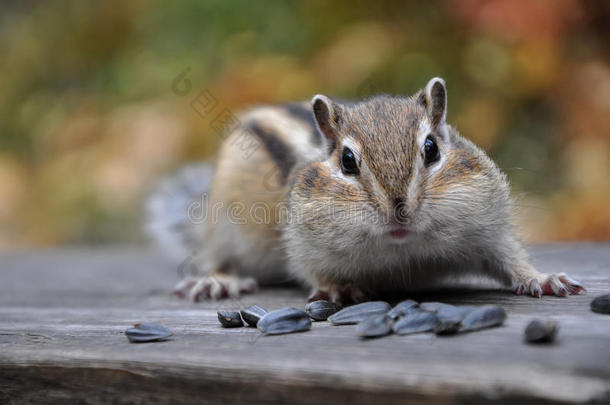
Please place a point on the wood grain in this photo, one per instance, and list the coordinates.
(63, 313)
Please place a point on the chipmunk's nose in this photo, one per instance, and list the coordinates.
(401, 211)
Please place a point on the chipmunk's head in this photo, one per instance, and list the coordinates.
(386, 152)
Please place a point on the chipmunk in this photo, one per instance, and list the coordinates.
(356, 200)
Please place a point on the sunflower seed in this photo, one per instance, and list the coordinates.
(377, 325)
(253, 314)
(415, 322)
(402, 309)
(450, 317)
(360, 312)
(147, 332)
(285, 320)
(230, 319)
(320, 310)
(541, 331)
(601, 304)
(434, 306)
(483, 317)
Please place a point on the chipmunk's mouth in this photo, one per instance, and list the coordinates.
(398, 233)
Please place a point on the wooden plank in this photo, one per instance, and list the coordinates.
(62, 314)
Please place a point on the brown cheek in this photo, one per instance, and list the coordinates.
(438, 184)
(458, 168)
(343, 192)
(316, 183)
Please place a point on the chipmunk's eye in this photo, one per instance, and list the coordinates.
(348, 162)
(431, 153)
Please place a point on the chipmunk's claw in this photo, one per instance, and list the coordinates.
(318, 295)
(215, 287)
(344, 295)
(559, 285)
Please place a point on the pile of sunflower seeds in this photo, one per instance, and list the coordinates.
(285, 320)
(373, 319)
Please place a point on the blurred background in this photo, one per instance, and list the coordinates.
(95, 97)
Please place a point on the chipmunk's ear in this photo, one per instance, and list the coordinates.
(434, 98)
(328, 115)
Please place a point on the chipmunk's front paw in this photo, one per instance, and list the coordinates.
(550, 284)
(215, 286)
(343, 295)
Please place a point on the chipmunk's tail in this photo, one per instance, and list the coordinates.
(174, 210)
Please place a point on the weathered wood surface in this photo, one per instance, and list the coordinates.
(63, 313)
